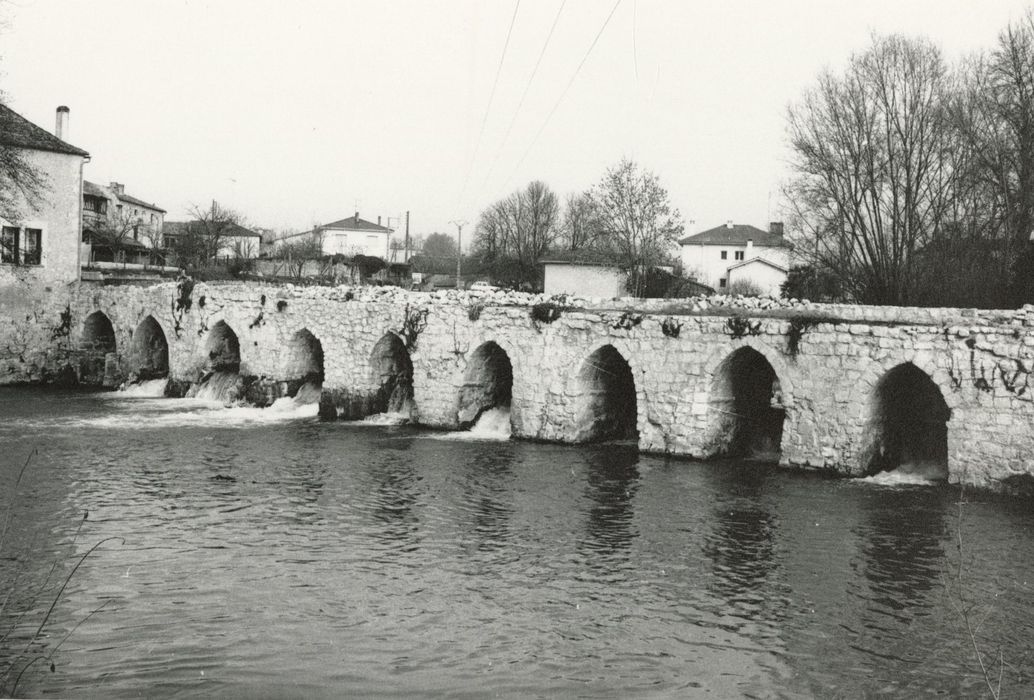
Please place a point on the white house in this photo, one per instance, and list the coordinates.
(348, 237)
(732, 253)
(39, 236)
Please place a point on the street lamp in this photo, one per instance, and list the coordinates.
(459, 249)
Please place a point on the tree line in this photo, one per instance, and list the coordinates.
(626, 219)
(913, 179)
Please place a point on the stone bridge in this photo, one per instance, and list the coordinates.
(848, 389)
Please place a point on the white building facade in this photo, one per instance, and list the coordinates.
(583, 279)
(348, 237)
(733, 253)
(40, 236)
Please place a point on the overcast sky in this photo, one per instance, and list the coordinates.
(294, 112)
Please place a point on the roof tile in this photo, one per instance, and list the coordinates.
(17, 131)
(738, 234)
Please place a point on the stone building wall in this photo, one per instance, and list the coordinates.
(57, 215)
(825, 367)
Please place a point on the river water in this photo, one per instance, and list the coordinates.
(262, 553)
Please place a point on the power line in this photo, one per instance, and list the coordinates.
(564, 93)
(635, 49)
(491, 97)
(527, 86)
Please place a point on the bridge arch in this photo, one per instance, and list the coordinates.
(746, 406)
(98, 333)
(222, 349)
(907, 425)
(391, 374)
(149, 350)
(303, 358)
(605, 402)
(487, 383)
(96, 343)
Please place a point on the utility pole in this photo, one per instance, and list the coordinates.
(405, 254)
(459, 249)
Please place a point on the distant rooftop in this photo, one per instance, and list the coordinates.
(17, 131)
(354, 223)
(582, 256)
(736, 234)
(95, 190)
(232, 230)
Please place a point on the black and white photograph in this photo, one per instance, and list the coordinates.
(516, 349)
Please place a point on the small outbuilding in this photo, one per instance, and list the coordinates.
(584, 278)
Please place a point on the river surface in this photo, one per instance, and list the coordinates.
(262, 553)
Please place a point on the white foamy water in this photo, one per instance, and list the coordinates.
(494, 424)
(150, 413)
(309, 392)
(217, 387)
(388, 418)
(899, 478)
(152, 388)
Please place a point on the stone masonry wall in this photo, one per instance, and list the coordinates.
(828, 360)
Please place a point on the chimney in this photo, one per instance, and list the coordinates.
(378, 221)
(728, 224)
(776, 228)
(61, 127)
(357, 218)
(118, 188)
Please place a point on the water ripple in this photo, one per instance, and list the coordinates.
(272, 555)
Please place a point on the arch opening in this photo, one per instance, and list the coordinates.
(149, 354)
(222, 380)
(223, 349)
(746, 405)
(392, 375)
(908, 425)
(303, 367)
(606, 399)
(487, 386)
(98, 364)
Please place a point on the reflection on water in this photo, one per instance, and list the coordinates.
(611, 485)
(741, 543)
(275, 555)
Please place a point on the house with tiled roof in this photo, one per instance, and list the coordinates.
(40, 219)
(721, 256)
(234, 240)
(348, 237)
(118, 227)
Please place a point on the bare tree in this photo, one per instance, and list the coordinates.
(519, 229)
(116, 232)
(22, 184)
(199, 241)
(994, 115)
(873, 181)
(580, 229)
(301, 249)
(634, 215)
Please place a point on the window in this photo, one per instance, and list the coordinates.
(9, 245)
(725, 255)
(32, 247)
(21, 246)
(97, 205)
(739, 255)
(721, 283)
